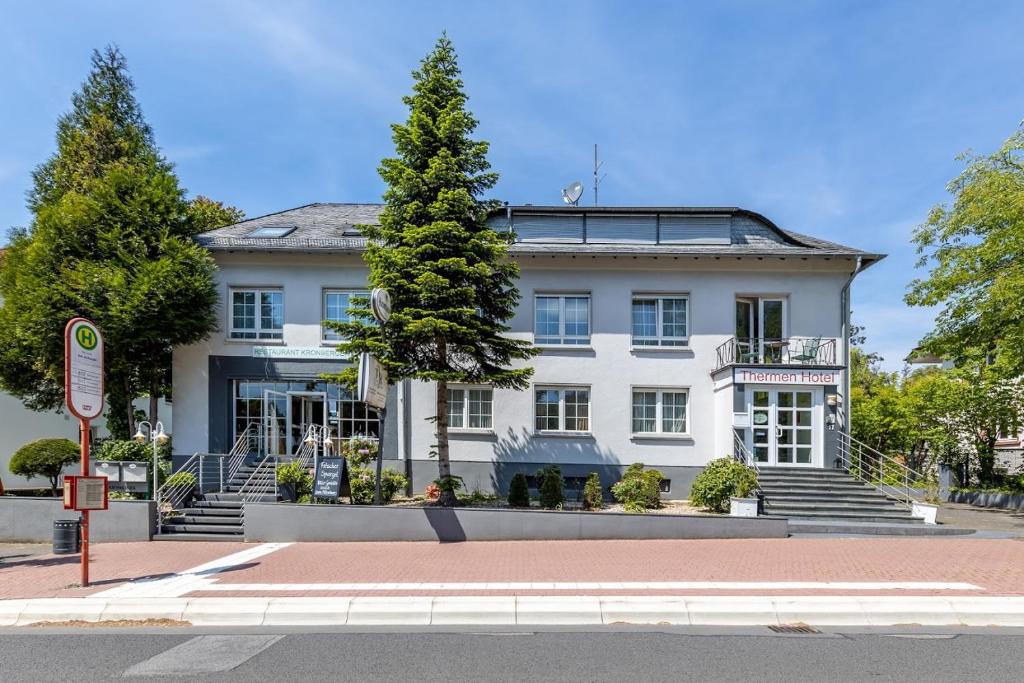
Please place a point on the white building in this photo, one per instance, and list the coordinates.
(665, 332)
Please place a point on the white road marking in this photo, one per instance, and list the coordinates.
(599, 585)
(203, 655)
(190, 580)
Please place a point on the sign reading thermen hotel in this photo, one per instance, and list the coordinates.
(785, 376)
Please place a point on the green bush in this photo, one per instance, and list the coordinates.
(181, 480)
(720, 480)
(519, 491)
(45, 458)
(552, 493)
(359, 451)
(639, 489)
(294, 474)
(593, 497)
(363, 482)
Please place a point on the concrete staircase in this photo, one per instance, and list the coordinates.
(218, 516)
(827, 496)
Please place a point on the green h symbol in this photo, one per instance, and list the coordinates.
(86, 338)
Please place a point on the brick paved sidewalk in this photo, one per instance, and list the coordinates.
(994, 566)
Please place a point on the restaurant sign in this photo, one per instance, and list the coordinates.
(785, 376)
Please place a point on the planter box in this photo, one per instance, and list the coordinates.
(989, 499)
(924, 511)
(278, 522)
(24, 519)
(743, 507)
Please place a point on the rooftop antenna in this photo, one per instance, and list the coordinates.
(597, 168)
(571, 195)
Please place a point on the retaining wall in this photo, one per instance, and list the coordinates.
(1009, 501)
(278, 522)
(25, 519)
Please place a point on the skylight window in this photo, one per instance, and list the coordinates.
(270, 232)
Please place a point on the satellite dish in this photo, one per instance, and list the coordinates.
(572, 194)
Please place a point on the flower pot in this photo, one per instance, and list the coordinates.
(743, 507)
(924, 511)
(287, 492)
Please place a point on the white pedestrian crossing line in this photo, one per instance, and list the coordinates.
(204, 655)
(190, 580)
(598, 585)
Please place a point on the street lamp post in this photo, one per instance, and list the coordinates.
(157, 437)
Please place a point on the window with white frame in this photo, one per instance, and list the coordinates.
(470, 408)
(660, 411)
(562, 409)
(336, 305)
(562, 319)
(257, 314)
(660, 320)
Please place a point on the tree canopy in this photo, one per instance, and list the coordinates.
(451, 281)
(45, 458)
(975, 251)
(110, 240)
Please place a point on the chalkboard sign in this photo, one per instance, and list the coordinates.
(329, 475)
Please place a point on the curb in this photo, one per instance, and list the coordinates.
(530, 610)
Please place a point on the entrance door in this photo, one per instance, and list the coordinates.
(275, 422)
(307, 408)
(784, 426)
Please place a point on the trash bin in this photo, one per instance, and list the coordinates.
(66, 537)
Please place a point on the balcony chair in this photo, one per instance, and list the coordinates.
(746, 352)
(809, 353)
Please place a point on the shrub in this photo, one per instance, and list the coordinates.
(363, 482)
(294, 474)
(359, 451)
(552, 493)
(447, 487)
(45, 458)
(519, 491)
(593, 497)
(115, 449)
(181, 480)
(639, 489)
(720, 480)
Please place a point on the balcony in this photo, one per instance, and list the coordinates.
(815, 351)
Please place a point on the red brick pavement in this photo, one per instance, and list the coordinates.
(995, 565)
(111, 564)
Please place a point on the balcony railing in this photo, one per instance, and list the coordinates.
(786, 351)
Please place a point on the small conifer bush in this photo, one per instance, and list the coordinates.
(519, 492)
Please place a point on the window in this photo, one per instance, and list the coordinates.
(257, 314)
(336, 305)
(659, 411)
(470, 408)
(271, 232)
(660, 320)
(562, 409)
(562, 319)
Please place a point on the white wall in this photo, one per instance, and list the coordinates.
(610, 368)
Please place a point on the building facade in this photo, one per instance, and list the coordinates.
(668, 334)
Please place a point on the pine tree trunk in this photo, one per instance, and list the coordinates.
(131, 407)
(444, 465)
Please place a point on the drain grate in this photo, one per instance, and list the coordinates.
(794, 628)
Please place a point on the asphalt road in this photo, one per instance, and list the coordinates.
(624, 654)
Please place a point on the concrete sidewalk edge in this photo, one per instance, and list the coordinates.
(818, 610)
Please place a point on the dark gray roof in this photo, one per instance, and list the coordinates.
(331, 227)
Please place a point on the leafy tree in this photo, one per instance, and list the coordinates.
(451, 281)
(976, 252)
(45, 458)
(109, 240)
(206, 214)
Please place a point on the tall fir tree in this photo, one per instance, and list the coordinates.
(110, 240)
(451, 281)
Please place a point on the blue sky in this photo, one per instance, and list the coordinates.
(838, 119)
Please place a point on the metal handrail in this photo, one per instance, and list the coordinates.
(250, 492)
(772, 351)
(241, 450)
(170, 492)
(741, 453)
(864, 462)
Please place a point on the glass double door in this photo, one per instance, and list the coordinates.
(783, 426)
(288, 416)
